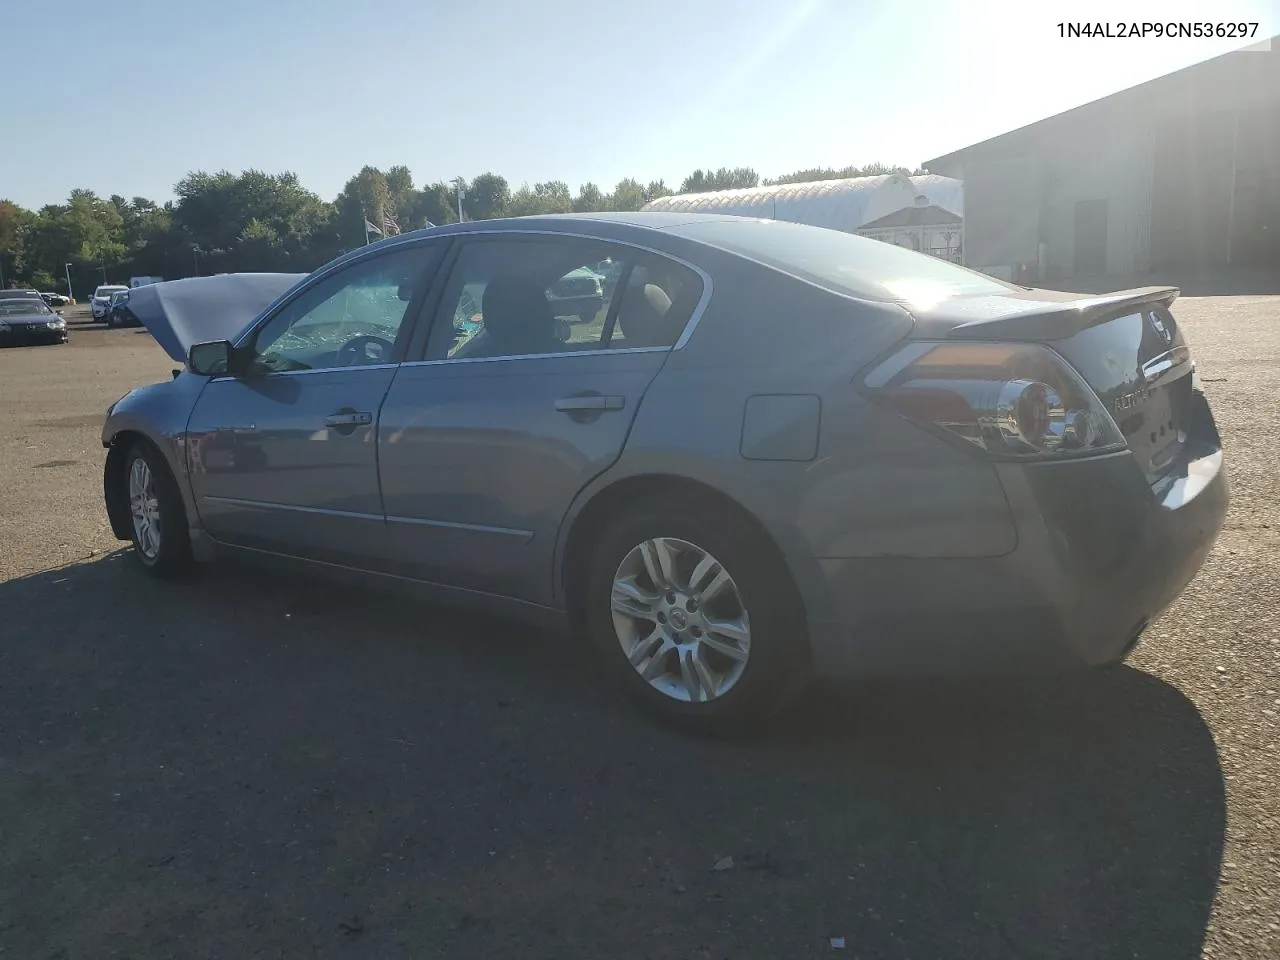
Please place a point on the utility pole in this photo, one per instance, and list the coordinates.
(458, 182)
(70, 295)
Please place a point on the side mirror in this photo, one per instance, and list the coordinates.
(212, 359)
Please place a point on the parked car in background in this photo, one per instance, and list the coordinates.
(55, 299)
(29, 321)
(579, 294)
(786, 450)
(101, 301)
(118, 312)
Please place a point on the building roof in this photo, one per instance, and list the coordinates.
(921, 215)
(845, 204)
(1172, 91)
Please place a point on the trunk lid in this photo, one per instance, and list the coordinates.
(1127, 347)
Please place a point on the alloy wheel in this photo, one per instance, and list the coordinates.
(680, 620)
(144, 508)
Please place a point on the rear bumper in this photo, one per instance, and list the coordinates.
(1100, 553)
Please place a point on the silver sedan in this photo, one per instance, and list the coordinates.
(772, 451)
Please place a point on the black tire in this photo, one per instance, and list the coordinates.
(172, 557)
(777, 665)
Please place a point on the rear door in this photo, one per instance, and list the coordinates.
(484, 444)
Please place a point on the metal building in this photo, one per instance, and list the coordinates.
(1182, 171)
(924, 213)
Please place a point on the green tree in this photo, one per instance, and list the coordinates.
(627, 195)
(401, 194)
(703, 181)
(14, 222)
(214, 211)
(488, 197)
(435, 203)
(841, 173)
(589, 199)
(656, 189)
(550, 197)
(366, 196)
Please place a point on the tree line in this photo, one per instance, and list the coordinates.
(255, 221)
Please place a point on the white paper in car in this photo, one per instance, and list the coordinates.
(179, 313)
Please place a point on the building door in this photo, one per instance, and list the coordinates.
(1091, 238)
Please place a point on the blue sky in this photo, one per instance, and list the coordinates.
(556, 89)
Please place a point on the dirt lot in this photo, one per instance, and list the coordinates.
(246, 766)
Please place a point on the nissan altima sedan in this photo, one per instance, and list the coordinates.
(777, 451)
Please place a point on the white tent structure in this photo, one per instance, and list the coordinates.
(840, 204)
(944, 192)
(935, 207)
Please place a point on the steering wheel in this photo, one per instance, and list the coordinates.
(363, 349)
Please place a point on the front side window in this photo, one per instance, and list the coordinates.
(352, 318)
(512, 298)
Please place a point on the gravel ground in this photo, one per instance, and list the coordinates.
(252, 766)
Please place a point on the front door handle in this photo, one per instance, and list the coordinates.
(351, 418)
(590, 402)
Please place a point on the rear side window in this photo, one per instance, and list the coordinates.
(844, 262)
(549, 296)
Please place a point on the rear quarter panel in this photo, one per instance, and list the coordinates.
(876, 485)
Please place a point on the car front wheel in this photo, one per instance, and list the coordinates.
(157, 518)
(696, 618)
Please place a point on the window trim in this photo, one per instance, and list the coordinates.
(690, 325)
(408, 326)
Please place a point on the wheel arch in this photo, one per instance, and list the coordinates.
(586, 522)
(114, 483)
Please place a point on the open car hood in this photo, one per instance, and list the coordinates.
(182, 312)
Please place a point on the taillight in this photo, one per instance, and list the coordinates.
(1020, 400)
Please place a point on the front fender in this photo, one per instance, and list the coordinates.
(157, 413)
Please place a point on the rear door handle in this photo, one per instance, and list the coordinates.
(354, 419)
(590, 402)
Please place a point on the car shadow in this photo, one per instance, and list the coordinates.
(248, 762)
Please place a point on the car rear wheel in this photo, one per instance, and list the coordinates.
(695, 618)
(157, 519)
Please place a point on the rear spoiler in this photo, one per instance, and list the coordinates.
(1059, 319)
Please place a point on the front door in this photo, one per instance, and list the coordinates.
(283, 454)
(540, 354)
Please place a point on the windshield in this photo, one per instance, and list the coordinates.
(23, 308)
(844, 262)
(19, 295)
(108, 291)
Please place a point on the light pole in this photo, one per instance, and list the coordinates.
(70, 295)
(458, 182)
(103, 268)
